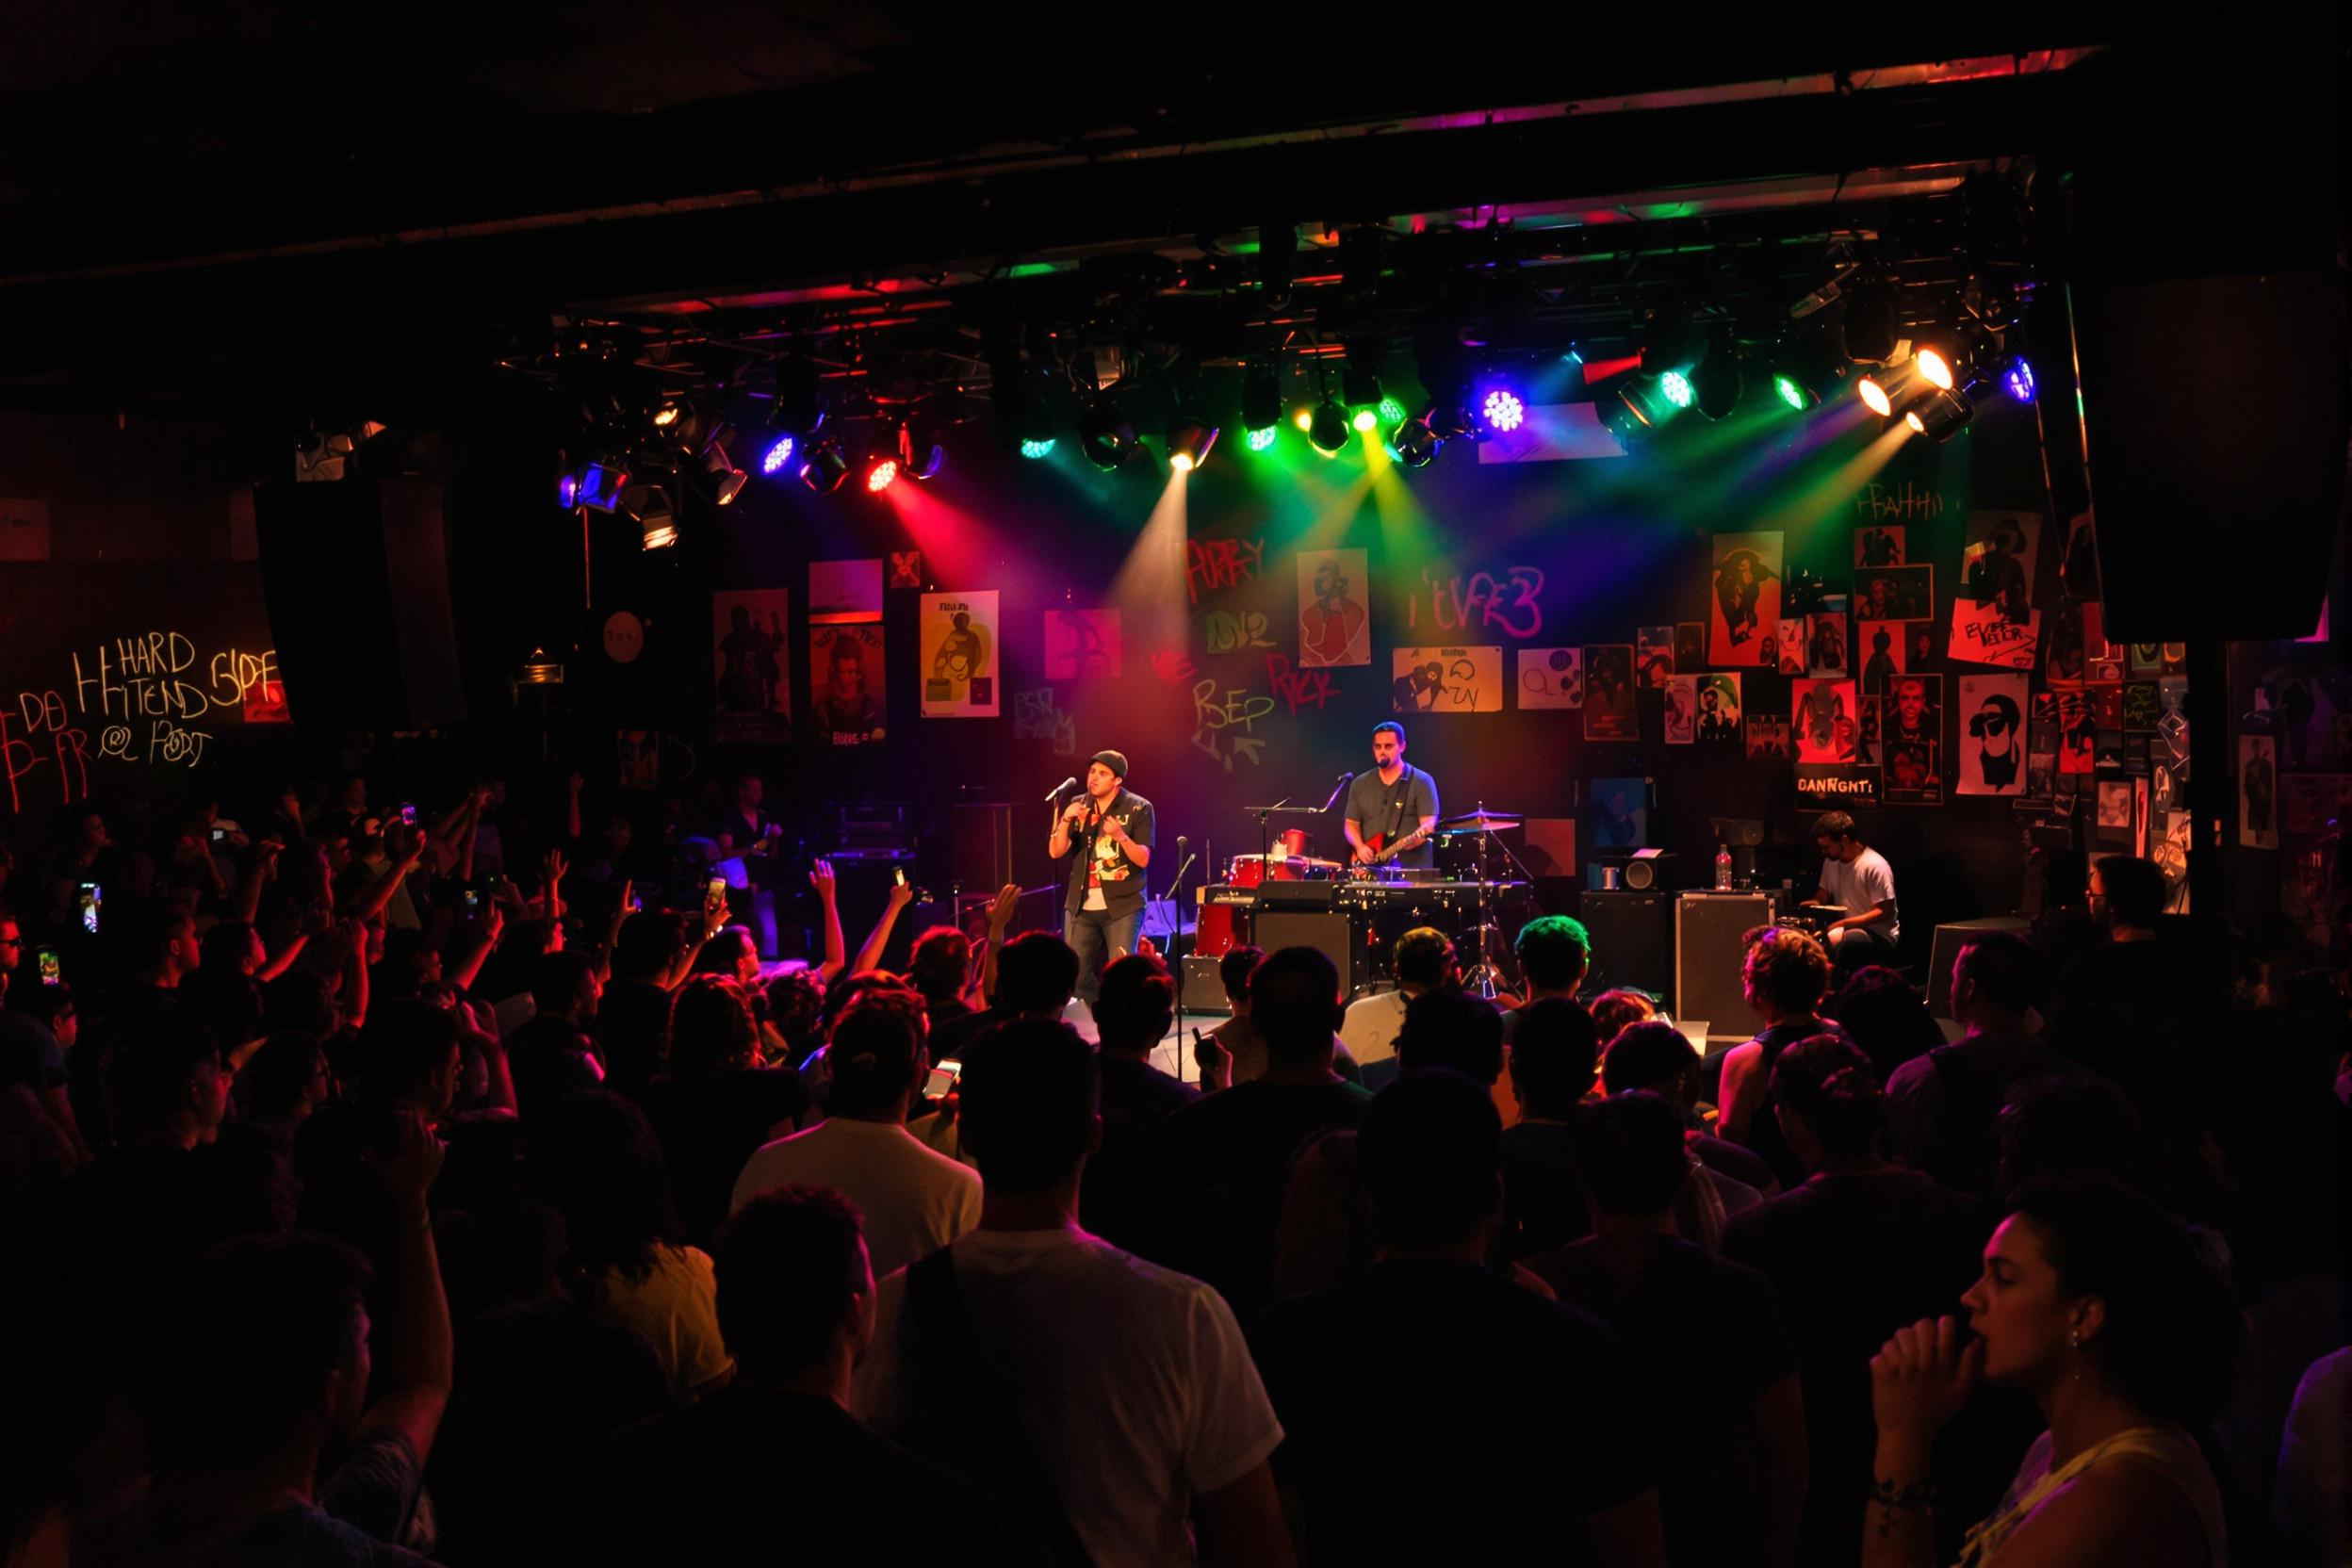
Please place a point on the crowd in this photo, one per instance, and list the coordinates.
(380, 1189)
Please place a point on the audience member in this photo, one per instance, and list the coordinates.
(914, 1199)
(596, 1158)
(1706, 1338)
(1554, 951)
(633, 1009)
(1036, 974)
(1884, 1015)
(553, 1054)
(775, 1463)
(1783, 975)
(1422, 960)
(992, 1354)
(2051, 1127)
(1231, 1153)
(1656, 1056)
(940, 968)
(1856, 1249)
(2105, 1311)
(2119, 1010)
(1940, 1107)
(717, 1108)
(1552, 1063)
(1435, 1411)
(1620, 1008)
(1131, 1017)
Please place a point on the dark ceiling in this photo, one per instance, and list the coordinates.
(281, 204)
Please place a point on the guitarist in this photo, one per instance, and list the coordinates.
(1391, 806)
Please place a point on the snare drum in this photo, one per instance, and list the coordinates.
(1297, 843)
(1249, 871)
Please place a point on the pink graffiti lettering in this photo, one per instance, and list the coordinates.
(1214, 564)
(1513, 604)
(1299, 688)
(1171, 665)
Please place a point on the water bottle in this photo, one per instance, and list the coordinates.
(1723, 868)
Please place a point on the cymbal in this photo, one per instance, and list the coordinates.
(1481, 822)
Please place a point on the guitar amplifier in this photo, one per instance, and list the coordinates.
(1709, 984)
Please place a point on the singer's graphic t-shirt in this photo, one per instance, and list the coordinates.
(1102, 877)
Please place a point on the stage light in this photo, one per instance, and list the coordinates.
(1875, 397)
(800, 401)
(1189, 438)
(1258, 440)
(1941, 416)
(1108, 438)
(1261, 398)
(1676, 389)
(1941, 357)
(1654, 399)
(1037, 448)
(1328, 426)
(779, 455)
(601, 483)
(826, 468)
(1791, 391)
(726, 480)
(1503, 409)
(1414, 443)
(2018, 378)
(881, 469)
(1304, 418)
(1366, 418)
(1717, 381)
(655, 513)
(919, 454)
(567, 491)
(669, 413)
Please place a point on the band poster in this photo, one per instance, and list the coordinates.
(1991, 755)
(1551, 677)
(1718, 708)
(1681, 704)
(846, 684)
(750, 649)
(1824, 720)
(1084, 645)
(959, 642)
(1449, 680)
(1911, 729)
(1743, 599)
(1610, 713)
(1335, 609)
(1654, 654)
(1993, 618)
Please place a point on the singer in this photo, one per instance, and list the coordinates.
(1391, 806)
(1110, 827)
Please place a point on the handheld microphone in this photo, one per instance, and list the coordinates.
(1060, 790)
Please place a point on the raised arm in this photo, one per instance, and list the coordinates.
(413, 1346)
(836, 946)
(870, 954)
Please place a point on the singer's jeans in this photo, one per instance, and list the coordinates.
(1098, 935)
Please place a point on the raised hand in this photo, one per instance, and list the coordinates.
(1001, 909)
(821, 878)
(901, 895)
(554, 866)
(416, 1159)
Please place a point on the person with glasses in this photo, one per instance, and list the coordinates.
(1994, 727)
(31, 1052)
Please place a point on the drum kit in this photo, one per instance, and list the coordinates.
(1476, 866)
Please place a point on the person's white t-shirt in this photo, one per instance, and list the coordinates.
(913, 1200)
(1131, 1382)
(1369, 1029)
(1867, 881)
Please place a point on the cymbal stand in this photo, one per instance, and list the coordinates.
(1485, 977)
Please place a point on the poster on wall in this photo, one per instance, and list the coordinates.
(2103, 661)
(956, 639)
(1768, 736)
(1914, 774)
(842, 591)
(1895, 593)
(1447, 680)
(1682, 710)
(1551, 677)
(846, 686)
(1654, 654)
(754, 660)
(2111, 821)
(1825, 651)
(1870, 744)
(1822, 716)
(1690, 646)
(2257, 791)
(1875, 546)
(1621, 814)
(2078, 731)
(1885, 653)
(1718, 708)
(907, 569)
(1743, 598)
(1991, 755)
(1796, 637)
(1913, 715)
(1609, 714)
(1082, 645)
(1335, 609)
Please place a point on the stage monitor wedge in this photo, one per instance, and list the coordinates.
(358, 588)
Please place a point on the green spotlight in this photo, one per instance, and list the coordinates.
(1261, 439)
(1037, 448)
(1790, 392)
(1676, 389)
(1392, 413)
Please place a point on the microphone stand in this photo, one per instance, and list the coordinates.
(1175, 938)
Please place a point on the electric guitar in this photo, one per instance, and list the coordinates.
(1383, 850)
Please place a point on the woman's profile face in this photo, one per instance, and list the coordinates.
(2017, 1308)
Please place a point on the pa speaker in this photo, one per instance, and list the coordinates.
(1333, 935)
(981, 853)
(1629, 941)
(358, 589)
(1710, 960)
